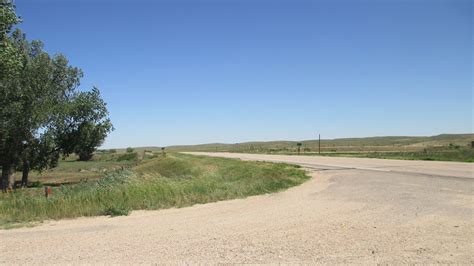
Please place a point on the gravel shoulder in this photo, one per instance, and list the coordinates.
(347, 213)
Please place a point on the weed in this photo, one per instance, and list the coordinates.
(164, 182)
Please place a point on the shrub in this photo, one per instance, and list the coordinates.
(129, 150)
(128, 157)
(117, 211)
(36, 184)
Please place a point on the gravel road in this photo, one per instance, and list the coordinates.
(352, 211)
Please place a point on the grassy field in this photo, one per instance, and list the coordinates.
(429, 154)
(446, 147)
(70, 170)
(173, 181)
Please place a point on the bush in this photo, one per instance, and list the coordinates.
(113, 151)
(117, 211)
(129, 150)
(36, 184)
(128, 157)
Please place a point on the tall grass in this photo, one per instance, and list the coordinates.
(174, 181)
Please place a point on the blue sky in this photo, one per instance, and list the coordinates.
(188, 72)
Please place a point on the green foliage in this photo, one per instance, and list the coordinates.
(36, 184)
(72, 171)
(43, 115)
(427, 154)
(117, 211)
(8, 17)
(129, 149)
(171, 167)
(172, 181)
(10, 59)
(133, 156)
(90, 113)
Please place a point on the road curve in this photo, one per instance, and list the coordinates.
(351, 211)
(427, 168)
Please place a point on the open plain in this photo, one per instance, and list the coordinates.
(353, 210)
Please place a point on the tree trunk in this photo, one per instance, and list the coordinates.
(7, 172)
(11, 181)
(84, 156)
(26, 171)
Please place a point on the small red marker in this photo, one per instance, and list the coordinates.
(48, 191)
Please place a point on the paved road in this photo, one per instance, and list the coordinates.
(351, 211)
(426, 168)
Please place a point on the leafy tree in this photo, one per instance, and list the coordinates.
(299, 146)
(129, 149)
(10, 60)
(90, 137)
(10, 64)
(90, 114)
(43, 115)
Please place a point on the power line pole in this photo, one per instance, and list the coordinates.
(319, 144)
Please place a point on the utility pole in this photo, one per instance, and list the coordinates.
(319, 144)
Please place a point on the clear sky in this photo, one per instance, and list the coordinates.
(188, 72)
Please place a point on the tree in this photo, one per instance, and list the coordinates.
(43, 114)
(90, 136)
(299, 146)
(10, 64)
(10, 60)
(90, 113)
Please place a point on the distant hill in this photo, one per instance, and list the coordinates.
(389, 143)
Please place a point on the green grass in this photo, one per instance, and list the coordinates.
(72, 171)
(172, 181)
(457, 154)
(433, 154)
